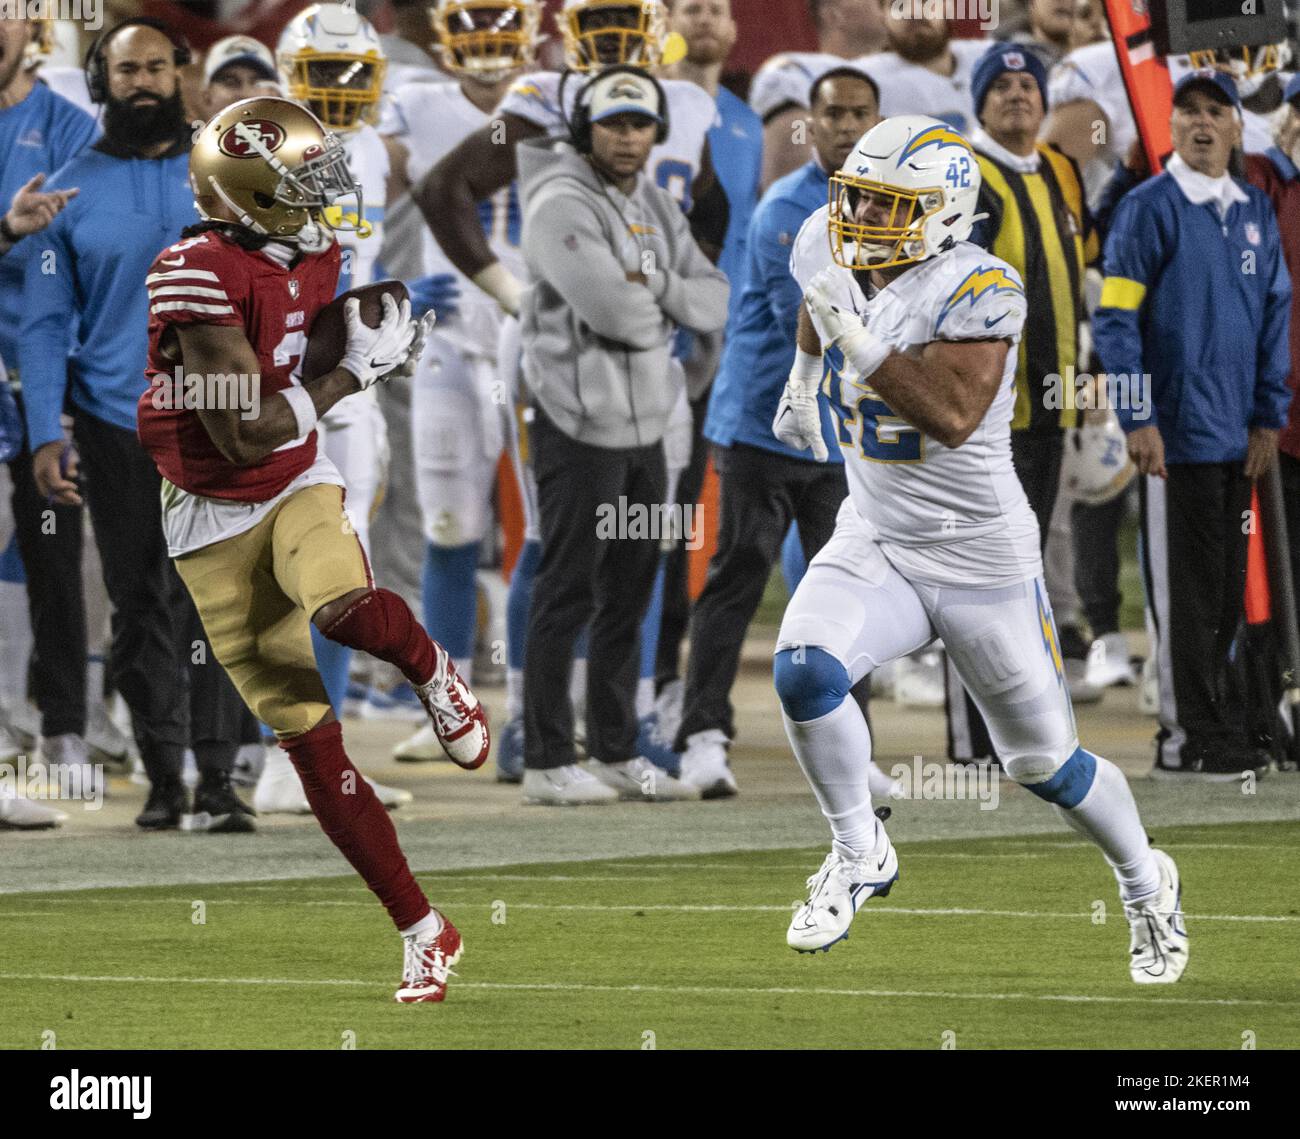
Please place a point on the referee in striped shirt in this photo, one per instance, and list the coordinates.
(1038, 223)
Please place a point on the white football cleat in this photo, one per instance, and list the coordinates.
(639, 780)
(1081, 689)
(279, 790)
(457, 717)
(567, 786)
(918, 680)
(422, 747)
(668, 708)
(1158, 949)
(390, 798)
(1108, 661)
(705, 765)
(834, 894)
(22, 814)
(427, 959)
(68, 768)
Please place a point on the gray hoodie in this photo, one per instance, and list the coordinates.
(596, 345)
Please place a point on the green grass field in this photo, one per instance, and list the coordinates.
(992, 940)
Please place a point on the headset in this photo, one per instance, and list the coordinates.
(96, 67)
(580, 124)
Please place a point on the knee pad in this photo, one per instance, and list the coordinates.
(1064, 784)
(810, 682)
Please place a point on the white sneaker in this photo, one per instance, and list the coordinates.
(24, 722)
(567, 786)
(834, 894)
(10, 746)
(1149, 689)
(705, 765)
(1159, 946)
(279, 790)
(668, 708)
(249, 761)
(390, 798)
(68, 766)
(918, 680)
(421, 747)
(640, 780)
(22, 814)
(1108, 662)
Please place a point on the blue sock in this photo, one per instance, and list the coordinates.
(650, 625)
(517, 604)
(332, 662)
(451, 597)
(11, 564)
(793, 564)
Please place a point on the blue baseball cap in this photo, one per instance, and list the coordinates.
(1217, 79)
(998, 60)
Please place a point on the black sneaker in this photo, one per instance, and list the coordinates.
(163, 809)
(217, 809)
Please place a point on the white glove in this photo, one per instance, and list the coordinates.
(406, 369)
(864, 352)
(798, 421)
(372, 353)
(502, 286)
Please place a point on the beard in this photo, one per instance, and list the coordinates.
(145, 122)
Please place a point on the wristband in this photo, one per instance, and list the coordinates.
(501, 284)
(304, 410)
(863, 351)
(807, 369)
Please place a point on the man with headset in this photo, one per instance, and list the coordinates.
(83, 342)
(614, 271)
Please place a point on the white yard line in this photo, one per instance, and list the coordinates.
(671, 990)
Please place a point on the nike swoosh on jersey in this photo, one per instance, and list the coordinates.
(990, 323)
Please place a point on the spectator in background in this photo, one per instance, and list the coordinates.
(238, 67)
(1194, 313)
(765, 484)
(614, 267)
(778, 94)
(39, 133)
(1048, 30)
(1277, 173)
(1037, 222)
(84, 340)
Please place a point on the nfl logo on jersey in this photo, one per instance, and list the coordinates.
(293, 287)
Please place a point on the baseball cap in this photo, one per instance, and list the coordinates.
(1203, 75)
(239, 49)
(622, 93)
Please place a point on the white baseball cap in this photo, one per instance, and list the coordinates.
(239, 49)
(622, 92)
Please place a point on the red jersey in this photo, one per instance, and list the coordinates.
(210, 280)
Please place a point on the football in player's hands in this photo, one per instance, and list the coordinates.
(327, 342)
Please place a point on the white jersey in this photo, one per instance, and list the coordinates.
(430, 120)
(948, 516)
(910, 89)
(368, 161)
(786, 80)
(673, 164)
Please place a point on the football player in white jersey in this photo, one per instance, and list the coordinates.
(846, 29)
(912, 332)
(331, 61)
(925, 71)
(461, 416)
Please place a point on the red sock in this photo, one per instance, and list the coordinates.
(382, 624)
(351, 815)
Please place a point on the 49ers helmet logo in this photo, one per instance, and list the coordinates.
(235, 143)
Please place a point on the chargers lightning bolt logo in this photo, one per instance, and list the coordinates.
(975, 284)
(939, 136)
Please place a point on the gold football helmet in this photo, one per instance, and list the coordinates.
(1248, 66)
(270, 165)
(487, 39)
(42, 44)
(598, 33)
(331, 59)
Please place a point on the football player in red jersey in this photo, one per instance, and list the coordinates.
(253, 514)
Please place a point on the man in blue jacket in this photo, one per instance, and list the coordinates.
(765, 485)
(84, 339)
(1193, 321)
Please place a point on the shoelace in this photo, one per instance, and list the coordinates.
(420, 964)
(447, 702)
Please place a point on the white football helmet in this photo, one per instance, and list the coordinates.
(1096, 467)
(922, 178)
(486, 40)
(332, 61)
(598, 33)
(1248, 66)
